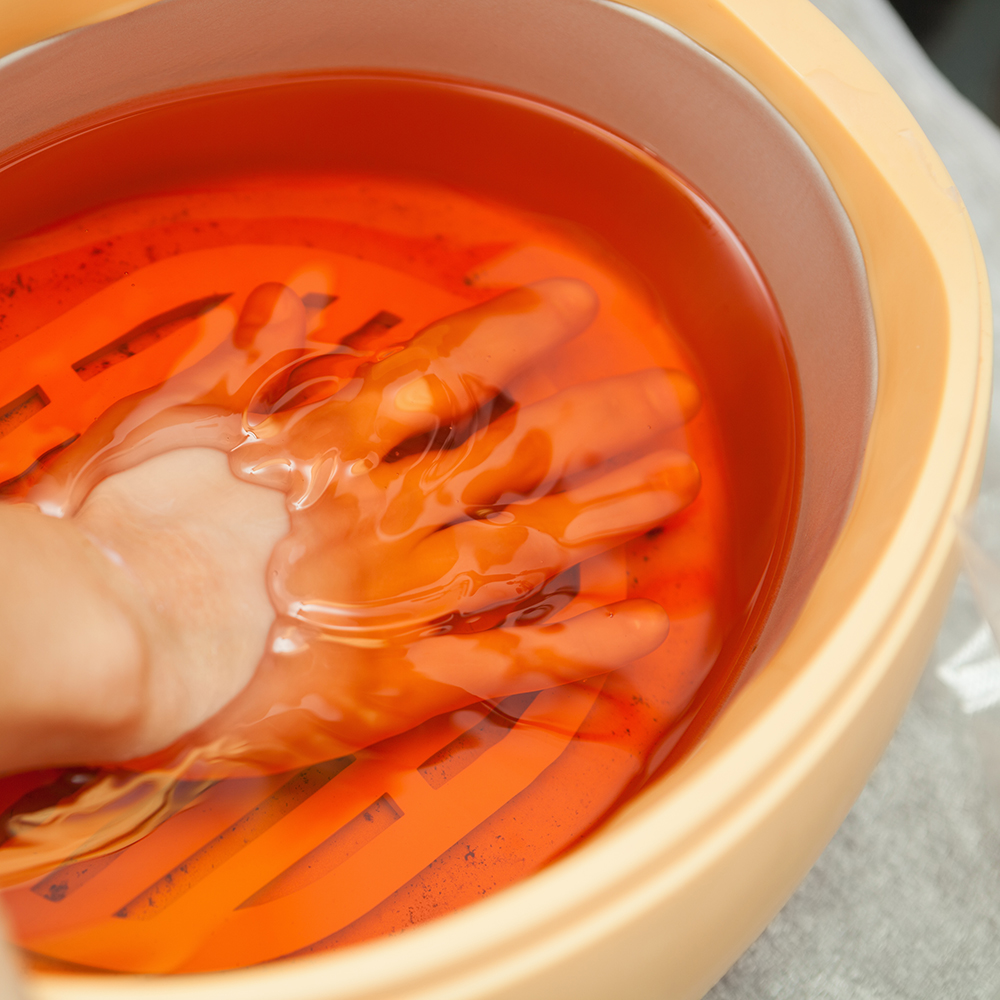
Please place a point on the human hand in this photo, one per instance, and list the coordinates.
(420, 518)
(412, 513)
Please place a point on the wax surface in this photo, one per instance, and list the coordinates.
(267, 307)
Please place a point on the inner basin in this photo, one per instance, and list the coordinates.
(256, 261)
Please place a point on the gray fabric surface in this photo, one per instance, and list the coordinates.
(905, 901)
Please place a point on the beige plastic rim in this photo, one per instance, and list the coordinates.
(665, 898)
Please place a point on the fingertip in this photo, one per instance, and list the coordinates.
(692, 479)
(644, 619)
(269, 303)
(572, 299)
(685, 393)
(416, 396)
(679, 475)
(672, 395)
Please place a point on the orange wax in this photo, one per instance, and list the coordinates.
(385, 204)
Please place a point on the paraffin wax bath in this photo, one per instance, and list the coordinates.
(535, 517)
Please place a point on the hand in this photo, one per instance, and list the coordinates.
(429, 514)
(412, 513)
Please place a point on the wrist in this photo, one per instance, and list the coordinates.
(73, 664)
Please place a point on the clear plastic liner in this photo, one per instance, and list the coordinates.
(973, 671)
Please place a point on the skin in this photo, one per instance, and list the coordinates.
(247, 604)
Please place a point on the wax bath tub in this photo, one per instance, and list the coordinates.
(869, 252)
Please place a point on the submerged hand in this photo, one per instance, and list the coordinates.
(424, 508)
(427, 506)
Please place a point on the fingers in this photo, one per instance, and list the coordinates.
(500, 662)
(501, 556)
(184, 412)
(533, 451)
(577, 429)
(490, 561)
(616, 507)
(322, 376)
(271, 315)
(456, 365)
(445, 374)
(324, 700)
(269, 335)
